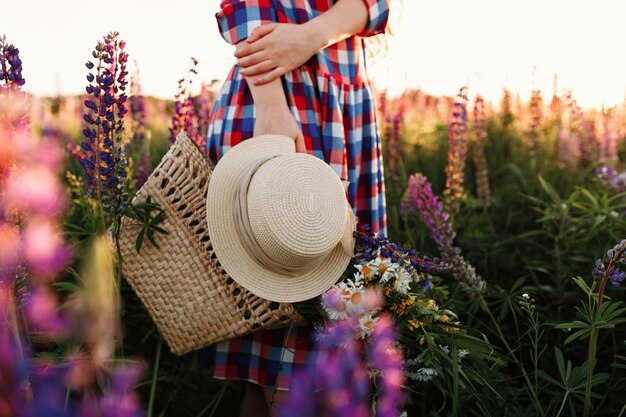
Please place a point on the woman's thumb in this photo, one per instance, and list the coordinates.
(300, 145)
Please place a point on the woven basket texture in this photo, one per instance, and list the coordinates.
(191, 299)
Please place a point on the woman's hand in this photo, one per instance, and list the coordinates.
(277, 48)
(278, 121)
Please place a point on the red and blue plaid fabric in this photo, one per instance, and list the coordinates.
(332, 102)
(267, 359)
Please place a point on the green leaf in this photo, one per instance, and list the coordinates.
(139, 241)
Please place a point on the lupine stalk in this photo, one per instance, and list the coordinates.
(368, 242)
(536, 116)
(393, 151)
(569, 148)
(203, 104)
(556, 104)
(137, 107)
(340, 374)
(183, 119)
(506, 107)
(614, 256)
(11, 79)
(455, 170)
(104, 158)
(608, 144)
(139, 137)
(613, 180)
(442, 232)
(480, 162)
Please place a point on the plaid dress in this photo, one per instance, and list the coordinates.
(332, 102)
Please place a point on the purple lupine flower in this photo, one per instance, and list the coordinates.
(455, 170)
(436, 218)
(480, 162)
(119, 400)
(11, 79)
(386, 358)
(393, 151)
(183, 119)
(368, 242)
(203, 104)
(138, 116)
(442, 232)
(339, 374)
(613, 180)
(569, 148)
(104, 157)
(137, 107)
(614, 256)
(33, 251)
(26, 389)
(608, 142)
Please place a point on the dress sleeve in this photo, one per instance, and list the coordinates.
(378, 14)
(238, 18)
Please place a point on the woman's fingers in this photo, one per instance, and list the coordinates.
(300, 145)
(250, 45)
(269, 76)
(257, 69)
(248, 49)
(251, 60)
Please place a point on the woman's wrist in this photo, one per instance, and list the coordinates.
(342, 20)
(317, 33)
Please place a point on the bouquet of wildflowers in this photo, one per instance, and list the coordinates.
(392, 291)
(386, 277)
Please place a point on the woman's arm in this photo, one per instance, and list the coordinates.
(274, 49)
(272, 114)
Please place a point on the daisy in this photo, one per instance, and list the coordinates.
(333, 304)
(385, 268)
(368, 270)
(354, 298)
(366, 324)
(401, 280)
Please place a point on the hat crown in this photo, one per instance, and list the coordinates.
(296, 207)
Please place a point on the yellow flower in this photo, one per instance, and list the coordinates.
(430, 304)
(415, 324)
(422, 340)
(444, 318)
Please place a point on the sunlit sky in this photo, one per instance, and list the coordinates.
(438, 45)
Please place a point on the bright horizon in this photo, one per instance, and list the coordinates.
(438, 46)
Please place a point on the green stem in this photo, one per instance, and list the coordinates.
(533, 394)
(16, 329)
(120, 259)
(67, 397)
(219, 398)
(155, 373)
(455, 382)
(621, 413)
(591, 362)
(536, 348)
(562, 403)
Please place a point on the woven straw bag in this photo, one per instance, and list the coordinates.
(192, 301)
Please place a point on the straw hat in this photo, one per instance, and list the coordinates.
(279, 221)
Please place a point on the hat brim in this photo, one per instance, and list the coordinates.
(228, 246)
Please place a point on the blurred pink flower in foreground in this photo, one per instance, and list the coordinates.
(44, 249)
(36, 190)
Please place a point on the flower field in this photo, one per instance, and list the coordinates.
(497, 291)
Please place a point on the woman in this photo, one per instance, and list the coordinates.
(300, 72)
